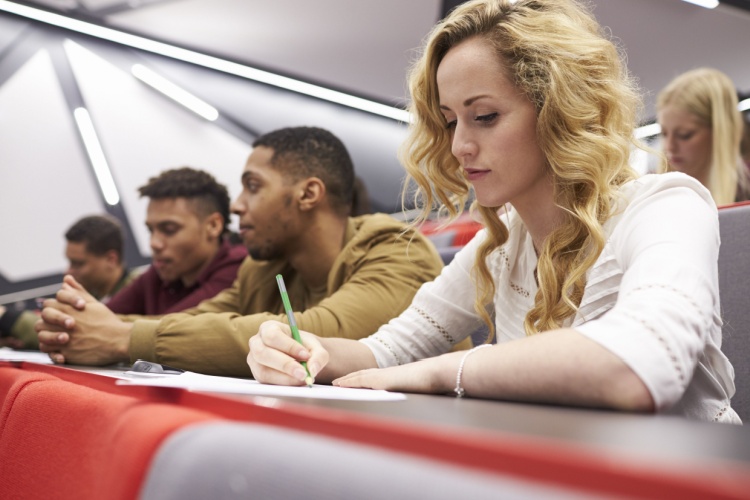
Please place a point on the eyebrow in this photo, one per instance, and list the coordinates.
(246, 175)
(468, 102)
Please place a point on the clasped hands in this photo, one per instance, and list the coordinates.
(78, 329)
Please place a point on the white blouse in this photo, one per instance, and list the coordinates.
(651, 298)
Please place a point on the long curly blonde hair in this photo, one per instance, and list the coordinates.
(586, 108)
(710, 96)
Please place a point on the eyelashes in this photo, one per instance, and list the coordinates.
(682, 137)
(487, 119)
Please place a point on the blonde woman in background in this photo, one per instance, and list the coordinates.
(603, 285)
(701, 132)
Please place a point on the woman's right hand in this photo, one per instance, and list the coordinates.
(275, 357)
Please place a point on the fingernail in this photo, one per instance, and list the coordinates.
(68, 323)
(80, 303)
(313, 367)
(303, 354)
(299, 374)
(61, 337)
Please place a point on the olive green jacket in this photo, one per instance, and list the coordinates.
(372, 281)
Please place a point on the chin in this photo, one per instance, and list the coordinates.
(165, 277)
(488, 202)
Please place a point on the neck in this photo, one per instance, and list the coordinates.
(189, 280)
(318, 247)
(540, 214)
(114, 280)
(703, 176)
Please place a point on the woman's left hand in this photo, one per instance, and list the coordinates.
(430, 376)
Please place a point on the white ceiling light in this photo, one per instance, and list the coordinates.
(175, 92)
(190, 56)
(96, 155)
(744, 105)
(709, 4)
(647, 131)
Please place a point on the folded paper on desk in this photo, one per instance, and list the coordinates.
(32, 356)
(208, 383)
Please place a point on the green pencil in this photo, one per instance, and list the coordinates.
(292, 323)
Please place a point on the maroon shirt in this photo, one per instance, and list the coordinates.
(149, 295)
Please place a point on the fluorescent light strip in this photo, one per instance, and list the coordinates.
(96, 154)
(744, 105)
(205, 61)
(709, 4)
(647, 131)
(174, 92)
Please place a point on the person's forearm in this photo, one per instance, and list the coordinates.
(561, 367)
(346, 356)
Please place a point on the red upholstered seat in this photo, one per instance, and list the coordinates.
(64, 440)
(12, 381)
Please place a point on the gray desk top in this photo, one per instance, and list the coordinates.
(657, 437)
(649, 437)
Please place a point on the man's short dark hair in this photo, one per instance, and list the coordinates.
(195, 185)
(100, 234)
(313, 152)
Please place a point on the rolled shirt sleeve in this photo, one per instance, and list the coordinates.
(667, 308)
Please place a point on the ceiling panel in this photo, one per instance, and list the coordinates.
(360, 47)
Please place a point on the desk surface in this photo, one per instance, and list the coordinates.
(652, 437)
(655, 436)
(596, 450)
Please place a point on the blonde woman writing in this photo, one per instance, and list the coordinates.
(603, 287)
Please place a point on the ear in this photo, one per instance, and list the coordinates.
(311, 193)
(213, 224)
(113, 258)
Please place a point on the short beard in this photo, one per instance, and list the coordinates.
(266, 252)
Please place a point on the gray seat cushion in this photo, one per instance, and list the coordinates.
(734, 285)
(244, 460)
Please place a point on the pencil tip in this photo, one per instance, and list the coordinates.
(309, 381)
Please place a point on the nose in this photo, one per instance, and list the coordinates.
(157, 243)
(237, 207)
(670, 143)
(462, 144)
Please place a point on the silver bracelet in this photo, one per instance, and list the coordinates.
(460, 390)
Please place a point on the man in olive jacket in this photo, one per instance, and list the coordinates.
(345, 276)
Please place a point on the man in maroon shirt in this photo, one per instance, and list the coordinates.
(192, 258)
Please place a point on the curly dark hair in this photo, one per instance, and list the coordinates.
(100, 234)
(198, 186)
(314, 152)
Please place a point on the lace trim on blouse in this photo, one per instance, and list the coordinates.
(721, 413)
(664, 344)
(672, 289)
(390, 349)
(519, 290)
(434, 324)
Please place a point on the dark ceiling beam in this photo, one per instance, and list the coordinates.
(449, 5)
(742, 4)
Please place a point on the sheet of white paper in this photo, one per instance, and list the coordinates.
(208, 383)
(33, 356)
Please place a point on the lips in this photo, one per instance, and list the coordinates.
(161, 263)
(474, 174)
